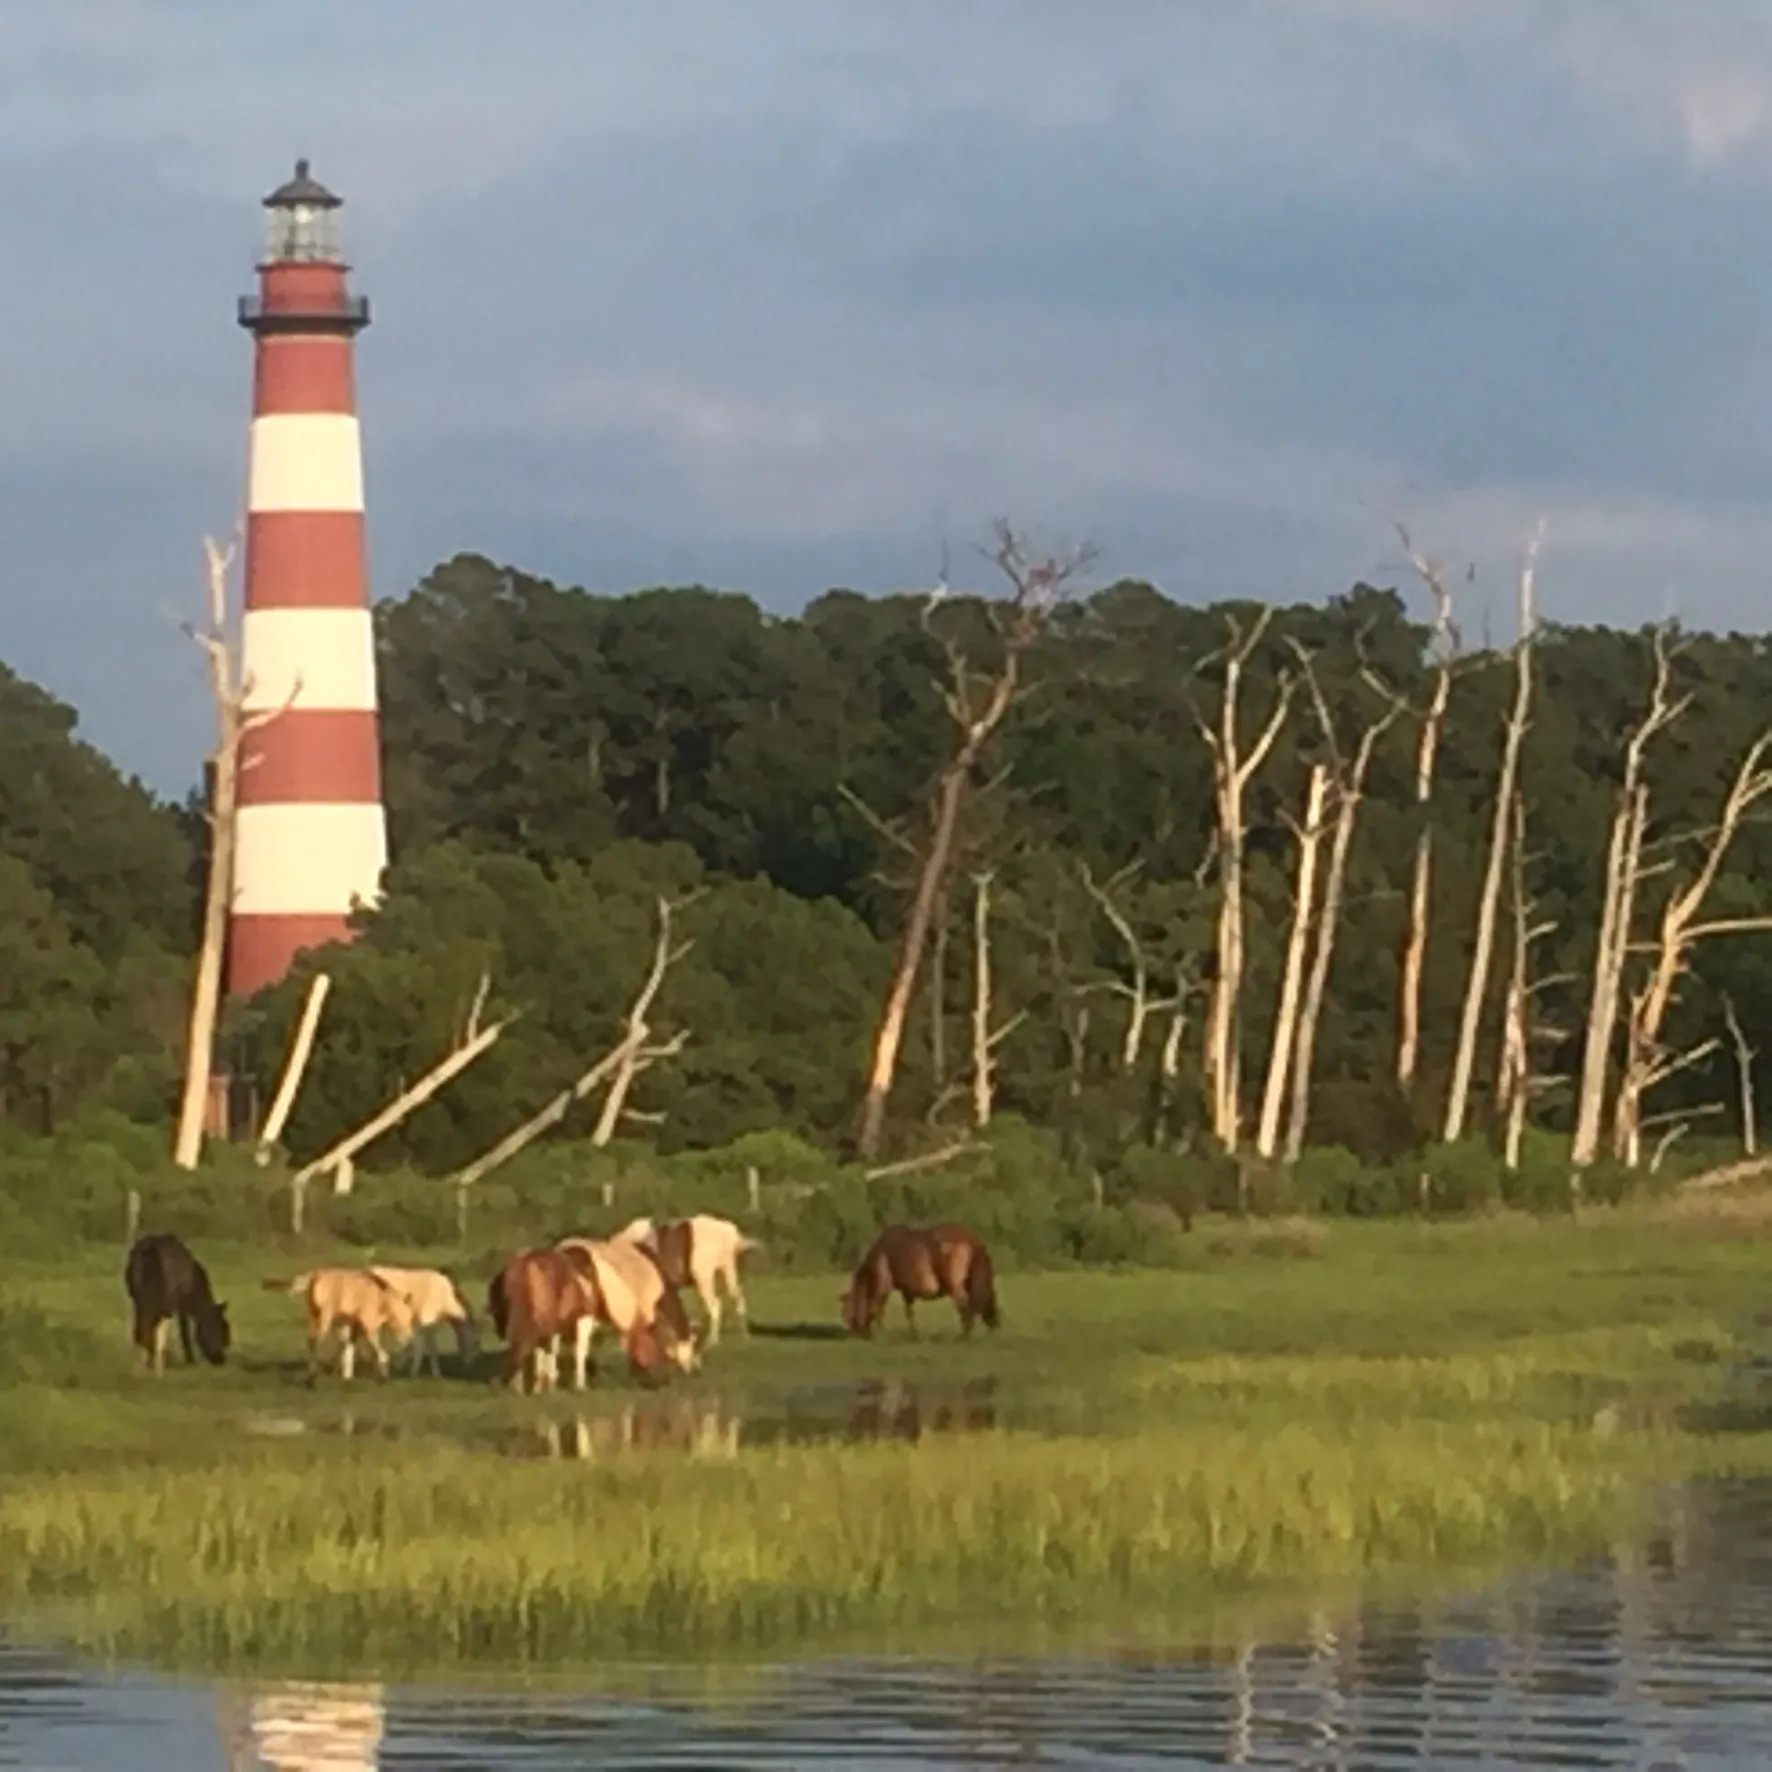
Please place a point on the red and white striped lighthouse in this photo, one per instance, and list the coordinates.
(312, 836)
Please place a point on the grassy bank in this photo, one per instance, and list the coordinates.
(1384, 1401)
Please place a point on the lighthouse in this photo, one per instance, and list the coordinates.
(311, 836)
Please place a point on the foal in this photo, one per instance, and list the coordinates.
(166, 1281)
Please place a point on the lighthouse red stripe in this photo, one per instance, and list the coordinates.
(312, 756)
(261, 949)
(305, 560)
(303, 372)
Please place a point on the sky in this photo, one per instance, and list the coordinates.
(778, 295)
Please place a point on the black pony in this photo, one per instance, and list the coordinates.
(165, 1280)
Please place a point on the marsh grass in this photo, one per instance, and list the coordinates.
(348, 1561)
(1402, 1402)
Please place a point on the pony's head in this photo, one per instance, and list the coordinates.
(213, 1334)
(647, 1358)
(860, 1308)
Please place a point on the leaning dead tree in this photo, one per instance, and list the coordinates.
(1500, 831)
(979, 698)
(1648, 1059)
(1234, 764)
(1624, 875)
(473, 1042)
(295, 1067)
(1348, 779)
(634, 1052)
(230, 691)
(1448, 645)
(1744, 1077)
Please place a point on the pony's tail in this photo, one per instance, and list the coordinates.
(498, 1306)
(750, 1245)
(981, 1288)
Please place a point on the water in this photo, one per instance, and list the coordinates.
(1660, 1657)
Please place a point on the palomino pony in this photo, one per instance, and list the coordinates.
(943, 1261)
(636, 1294)
(356, 1301)
(166, 1281)
(702, 1252)
(434, 1301)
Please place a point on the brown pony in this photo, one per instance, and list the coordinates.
(942, 1261)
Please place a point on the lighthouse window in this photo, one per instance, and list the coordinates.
(302, 233)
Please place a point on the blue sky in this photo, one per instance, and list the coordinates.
(768, 294)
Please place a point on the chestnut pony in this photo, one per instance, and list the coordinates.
(941, 1261)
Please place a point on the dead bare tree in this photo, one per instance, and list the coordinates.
(1309, 832)
(1744, 1078)
(1233, 767)
(473, 1042)
(1448, 644)
(1349, 783)
(1488, 904)
(985, 1038)
(1517, 1082)
(230, 691)
(978, 700)
(1647, 1058)
(618, 1067)
(1624, 875)
(295, 1067)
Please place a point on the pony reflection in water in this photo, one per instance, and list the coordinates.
(942, 1261)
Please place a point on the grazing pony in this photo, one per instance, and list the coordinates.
(702, 1252)
(942, 1261)
(355, 1301)
(637, 1298)
(538, 1296)
(434, 1301)
(166, 1281)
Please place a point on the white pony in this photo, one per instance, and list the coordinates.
(702, 1252)
(434, 1301)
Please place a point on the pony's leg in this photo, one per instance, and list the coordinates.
(184, 1336)
(347, 1359)
(709, 1291)
(910, 1315)
(161, 1335)
(738, 1300)
(583, 1331)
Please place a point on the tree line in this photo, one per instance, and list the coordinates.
(1152, 876)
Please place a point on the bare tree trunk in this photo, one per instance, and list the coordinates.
(1421, 880)
(1516, 1084)
(983, 1070)
(1617, 910)
(1350, 786)
(1304, 905)
(233, 723)
(938, 997)
(633, 1055)
(1232, 769)
(1744, 1074)
(1476, 986)
(294, 1068)
(1647, 1061)
(978, 702)
(474, 1042)
(1137, 994)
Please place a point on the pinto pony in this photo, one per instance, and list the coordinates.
(637, 1299)
(166, 1281)
(538, 1296)
(356, 1302)
(942, 1261)
(702, 1252)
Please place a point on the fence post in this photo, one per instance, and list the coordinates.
(754, 1187)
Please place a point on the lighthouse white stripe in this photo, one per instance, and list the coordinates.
(308, 658)
(308, 859)
(305, 461)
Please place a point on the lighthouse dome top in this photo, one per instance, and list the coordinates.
(301, 222)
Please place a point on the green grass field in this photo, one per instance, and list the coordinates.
(1383, 1402)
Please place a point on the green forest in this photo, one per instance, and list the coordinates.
(1319, 905)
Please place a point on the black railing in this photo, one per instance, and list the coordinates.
(349, 315)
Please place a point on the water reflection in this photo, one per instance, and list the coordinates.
(297, 1726)
(1658, 1656)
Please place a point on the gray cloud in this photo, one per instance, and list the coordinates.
(754, 295)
